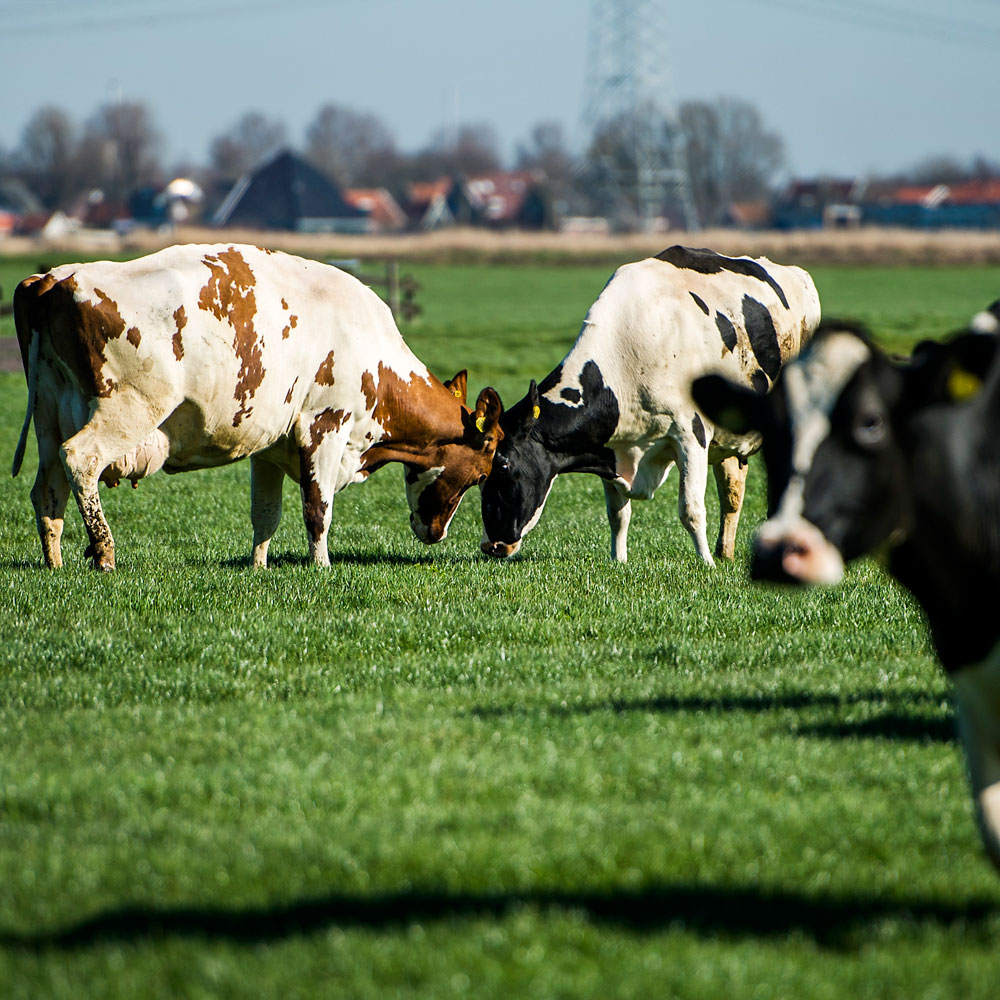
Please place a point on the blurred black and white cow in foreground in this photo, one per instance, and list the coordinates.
(197, 356)
(863, 453)
(619, 404)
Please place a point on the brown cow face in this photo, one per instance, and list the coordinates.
(435, 490)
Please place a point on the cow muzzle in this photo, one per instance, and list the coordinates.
(428, 534)
(499, 550)
(797, 554)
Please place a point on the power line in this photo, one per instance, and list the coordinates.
(896, 20)
(104, 17)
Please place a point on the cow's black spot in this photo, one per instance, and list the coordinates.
(727, 330)
(699, 430)
(709, 262)
(701, 303)
(570, 394)
(758, 382)
(550, 381)
(763, 336)
(601, 405)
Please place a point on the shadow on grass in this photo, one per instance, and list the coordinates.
(710, 911)
(336, 559)
(890, 726)
(894, 723)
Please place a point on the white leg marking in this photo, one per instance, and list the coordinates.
(977, 694)
(619, 508)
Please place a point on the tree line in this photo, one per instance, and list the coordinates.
(730, 154)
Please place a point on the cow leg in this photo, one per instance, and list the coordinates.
(318, 467)
(83, 481)
(977, 694)
(619, 508)
(115, 428)
(692, 463)
(731, 480)
(49, 494)
(266, 480)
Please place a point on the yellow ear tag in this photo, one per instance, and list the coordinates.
(963, 385)
(457, 393)
(481, 424)
(536, 412)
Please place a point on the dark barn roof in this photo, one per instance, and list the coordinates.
(286, 192)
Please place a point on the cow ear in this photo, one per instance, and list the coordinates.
(485, 418)
(533, 410)
(728, 405)
(949, 372)
(459, 386)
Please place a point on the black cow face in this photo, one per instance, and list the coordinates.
(838, 428)
(828, 438)
(518, 484)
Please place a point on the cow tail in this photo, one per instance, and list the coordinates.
(31, 372)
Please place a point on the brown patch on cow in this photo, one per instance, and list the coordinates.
(293, 322)
(180, 321)
(420, 415)
(414, 410)
(229, 295)
(291, 389)
(324, 374)
(284, 305)
(368, 389)
(314, 507)
(133, 336)
(75, 333)
(325, 422)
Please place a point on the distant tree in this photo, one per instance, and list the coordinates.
(468, 150)
(946, 169)
(119, 152)
(728, 152)
(239, 149)
(610, 179)
(47, 159)
(545, 149)
(348, 146)
(731, 155)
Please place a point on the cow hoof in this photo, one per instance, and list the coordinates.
(103, 564)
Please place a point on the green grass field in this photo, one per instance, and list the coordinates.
(422, 774)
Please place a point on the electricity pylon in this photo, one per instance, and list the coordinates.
(627, 85)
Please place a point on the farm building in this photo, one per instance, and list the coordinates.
(501, 199)
(973, 204)
(383, 210)
(286, 192)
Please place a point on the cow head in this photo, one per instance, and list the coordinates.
(516, 489)
(435, 487)
(838, 428)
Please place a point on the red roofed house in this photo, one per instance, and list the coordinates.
(383, 210)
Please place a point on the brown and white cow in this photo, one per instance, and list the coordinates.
(198, 356)
(865, 453)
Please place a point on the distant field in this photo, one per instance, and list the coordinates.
(419, 774)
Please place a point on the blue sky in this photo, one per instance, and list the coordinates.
(852, 86)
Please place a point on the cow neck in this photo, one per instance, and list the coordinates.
(950, 557)
(568, 436)
(416, 418)
(576, 432)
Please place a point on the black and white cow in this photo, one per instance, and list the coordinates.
(619, 404)
(864, 453)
